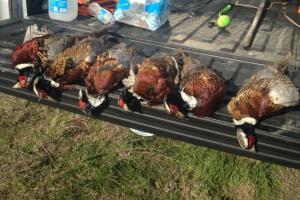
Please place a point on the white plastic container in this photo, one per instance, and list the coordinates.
(63, 10)
(4, 9)
(100, 13)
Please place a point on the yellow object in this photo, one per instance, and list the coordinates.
(223, 21)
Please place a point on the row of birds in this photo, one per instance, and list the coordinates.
(51, 64)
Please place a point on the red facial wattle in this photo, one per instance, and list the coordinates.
(121, 103)
(42, 94)
(22, 81)
(173, 109)
(82, 104)
(251, 141)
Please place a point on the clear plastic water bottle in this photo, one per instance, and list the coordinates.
(45, 5)
(100, 13)
(63, 10)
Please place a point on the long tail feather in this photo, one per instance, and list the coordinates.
(282, 64)
(36, 31)
(182, 59)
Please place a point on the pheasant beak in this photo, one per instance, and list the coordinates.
(22, 81)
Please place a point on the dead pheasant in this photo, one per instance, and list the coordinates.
(201, 90)
(31, 57)
(109, 69)
(150, 81)
(266, 93)
(72, 64)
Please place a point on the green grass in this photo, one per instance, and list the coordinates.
(47, 153)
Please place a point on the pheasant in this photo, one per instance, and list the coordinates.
(150, 81)
(200, 91)
(109, 69)
(31, 57)
(266, 93)
(72, 65)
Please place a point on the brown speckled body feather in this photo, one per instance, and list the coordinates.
(28, 51)
(253, 103)
(41, 50)
(252, 100)
(54, 45)
(203, 84)
(155, 79)
(266, 93)
(110, 68)
(73, 63)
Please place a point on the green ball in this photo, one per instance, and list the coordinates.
(223, 21)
